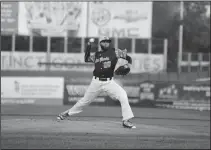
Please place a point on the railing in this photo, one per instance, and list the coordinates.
(76, 44)
(195, 62)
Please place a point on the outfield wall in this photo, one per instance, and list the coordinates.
(62, 88)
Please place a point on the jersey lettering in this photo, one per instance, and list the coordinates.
(101, 59)
(107, 64)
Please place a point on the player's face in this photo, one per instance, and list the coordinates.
(105, 44)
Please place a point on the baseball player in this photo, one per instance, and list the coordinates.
(105, 62)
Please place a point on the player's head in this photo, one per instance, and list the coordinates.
(105, 43)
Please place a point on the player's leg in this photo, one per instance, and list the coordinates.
(92, 92)
(116, 91)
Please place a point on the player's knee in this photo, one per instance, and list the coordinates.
(123, 96)
(84, 100)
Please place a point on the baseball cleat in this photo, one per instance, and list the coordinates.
(62, 116)
(128, 124)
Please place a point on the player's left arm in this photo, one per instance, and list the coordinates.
(129, 59)
(124, 62)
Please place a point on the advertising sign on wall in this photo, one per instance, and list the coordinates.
(9, 17)
(172, 92)
(195, 92)
(22, 60)
(147, 91)
(120, 19)
(53, 18)
(40, 90)
(152, 63)
(184, 96)
(141, 62)
(166, 91)
(75, 62)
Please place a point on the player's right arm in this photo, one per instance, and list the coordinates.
(88, 57)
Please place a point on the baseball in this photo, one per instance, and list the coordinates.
(91, 40)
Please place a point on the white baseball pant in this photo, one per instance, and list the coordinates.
(112, 89)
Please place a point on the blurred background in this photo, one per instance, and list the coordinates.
(43, 43)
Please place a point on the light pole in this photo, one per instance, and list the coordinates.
(180, 36)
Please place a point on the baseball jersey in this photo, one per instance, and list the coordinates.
(105, 61)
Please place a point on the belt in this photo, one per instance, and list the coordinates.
(103, 79)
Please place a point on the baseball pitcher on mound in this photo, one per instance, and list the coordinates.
(106, 65)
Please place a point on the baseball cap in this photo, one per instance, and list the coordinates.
(105, 38)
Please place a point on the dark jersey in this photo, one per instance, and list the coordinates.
(105, 61)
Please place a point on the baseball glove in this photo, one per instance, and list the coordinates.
(122, 70)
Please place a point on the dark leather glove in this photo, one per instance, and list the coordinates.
(123, 70)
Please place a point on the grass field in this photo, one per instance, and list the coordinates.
(28, 126)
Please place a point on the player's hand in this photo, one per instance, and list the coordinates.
(91, 41)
